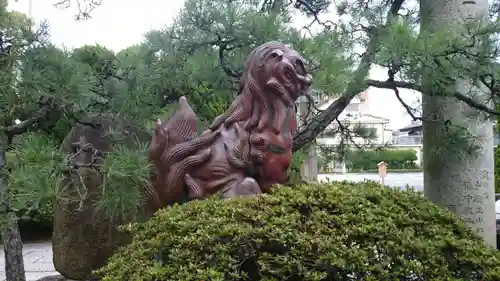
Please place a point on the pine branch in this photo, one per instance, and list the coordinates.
(356, 85)
(389, 84)
(314, 12)
(393, 85)
(85, 7)
(23, 127)
(474, 104)
(223, 62)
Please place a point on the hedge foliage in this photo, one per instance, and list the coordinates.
(369, 158)
(338, 231)
(375, 171)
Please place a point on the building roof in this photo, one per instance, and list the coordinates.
(324, 104)
(376, 117)
(364, 118)
(415, 125)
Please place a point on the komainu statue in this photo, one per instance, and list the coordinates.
(246, 149)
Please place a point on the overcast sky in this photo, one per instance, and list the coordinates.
(118, 24)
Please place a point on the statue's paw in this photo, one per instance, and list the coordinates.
(257, 156)
(247, 186)
(206, 133)
(194, 188)
(160, 129)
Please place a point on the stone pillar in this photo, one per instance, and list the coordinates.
(464, 184)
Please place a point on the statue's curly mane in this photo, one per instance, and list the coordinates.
(253, 105)
(254, 134)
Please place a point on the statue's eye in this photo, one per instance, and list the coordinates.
(276, 53)
(299, 66)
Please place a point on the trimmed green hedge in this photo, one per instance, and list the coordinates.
(338, 231)
(369, 158)
(375, 171)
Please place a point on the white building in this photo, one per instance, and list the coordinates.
(410, 137)
(357, 113)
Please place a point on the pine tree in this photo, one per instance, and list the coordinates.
(201, 56)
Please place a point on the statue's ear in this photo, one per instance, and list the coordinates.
(158, 127)
(160, 130)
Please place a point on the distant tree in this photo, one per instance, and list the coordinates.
(101, 60)
(16, 34)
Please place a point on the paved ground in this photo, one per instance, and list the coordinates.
(37, 261)
(393, 179)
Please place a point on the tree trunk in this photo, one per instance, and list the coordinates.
(13, 245)
(462, 183)
(309, 168)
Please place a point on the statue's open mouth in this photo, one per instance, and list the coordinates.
(288, 82)
(300, 84)
(288, 93)
(278, 88)
(305, 81)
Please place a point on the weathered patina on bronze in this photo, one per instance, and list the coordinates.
(246, 149)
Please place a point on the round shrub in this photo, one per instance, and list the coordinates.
(338, 231)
